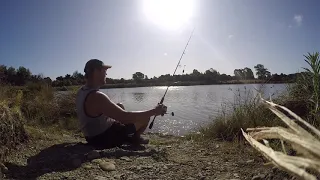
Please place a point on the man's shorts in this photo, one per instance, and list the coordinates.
(114, 136)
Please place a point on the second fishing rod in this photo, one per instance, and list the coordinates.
(162, 99)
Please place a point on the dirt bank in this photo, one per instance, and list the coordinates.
(64, 156)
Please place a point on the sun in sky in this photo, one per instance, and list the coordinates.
(168, 14)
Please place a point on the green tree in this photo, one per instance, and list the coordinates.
(138, 76)
(248, 74)
(239, 74)
(262, 72)
(23, 75)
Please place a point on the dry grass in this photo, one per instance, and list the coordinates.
(244, 112)
(306, 163)
(34, 105)
(12, 131)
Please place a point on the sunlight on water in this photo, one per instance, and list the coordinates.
(193, 106)
(171, 88)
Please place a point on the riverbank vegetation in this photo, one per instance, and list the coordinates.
(22, 76)
(247, 111)
(34, 102)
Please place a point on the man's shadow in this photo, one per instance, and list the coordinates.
(59, 158)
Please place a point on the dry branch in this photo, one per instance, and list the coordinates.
(300, 140)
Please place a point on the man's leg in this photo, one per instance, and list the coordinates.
(140, 125)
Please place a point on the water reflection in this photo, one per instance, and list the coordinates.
(193, 105)
(138, 96)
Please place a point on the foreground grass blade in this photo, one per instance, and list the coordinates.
(301, 140)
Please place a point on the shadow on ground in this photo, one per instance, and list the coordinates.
(60, 158)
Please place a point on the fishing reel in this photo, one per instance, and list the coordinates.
(172, 114)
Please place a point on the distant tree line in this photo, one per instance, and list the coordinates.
(22, 76)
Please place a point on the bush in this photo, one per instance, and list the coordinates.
(12, 131)
(307, 89)
(302, 97)
(42, 106)
(245, 111)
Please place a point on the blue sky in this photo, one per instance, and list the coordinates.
(58, 37)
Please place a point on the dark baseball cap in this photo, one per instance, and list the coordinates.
(93, 64)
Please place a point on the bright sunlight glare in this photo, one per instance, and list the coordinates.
(168, 14)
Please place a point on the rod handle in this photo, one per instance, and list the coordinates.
(151, 124)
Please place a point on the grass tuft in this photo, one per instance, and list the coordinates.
(12, 132)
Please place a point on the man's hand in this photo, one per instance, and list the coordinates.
(160, 109)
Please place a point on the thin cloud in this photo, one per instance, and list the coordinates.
(230, 36)
(298, 19)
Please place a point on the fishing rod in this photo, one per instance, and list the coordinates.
(162, 99)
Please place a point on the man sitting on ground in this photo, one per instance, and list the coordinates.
(104, 123)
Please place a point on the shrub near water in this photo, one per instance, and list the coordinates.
(43, 107)
(244, 112)
(12, 131)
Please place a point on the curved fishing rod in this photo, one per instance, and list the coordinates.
(162, 99)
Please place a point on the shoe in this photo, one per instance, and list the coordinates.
(139, 140)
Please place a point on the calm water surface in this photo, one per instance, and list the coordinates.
(193, 105)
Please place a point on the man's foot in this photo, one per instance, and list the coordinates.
(139, 140)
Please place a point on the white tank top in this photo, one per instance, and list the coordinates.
(90, 126)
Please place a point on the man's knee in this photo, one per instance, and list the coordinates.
(120, 105)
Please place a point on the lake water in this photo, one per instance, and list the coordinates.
(193, 106)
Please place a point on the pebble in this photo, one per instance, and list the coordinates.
(100, 178)
(4, 169)
(93, 155)
(250, 161)
(236, 175)
(258, 177)
(146, 167)
(125, 158)
(87, 166)
(97, 161)
(107, 166)
(117, 176)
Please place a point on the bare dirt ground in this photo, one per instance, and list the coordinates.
(66, 156)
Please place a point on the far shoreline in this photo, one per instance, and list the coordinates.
(137, 85)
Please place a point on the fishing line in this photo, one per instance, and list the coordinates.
(162, 99)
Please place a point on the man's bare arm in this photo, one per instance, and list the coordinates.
(106, 106)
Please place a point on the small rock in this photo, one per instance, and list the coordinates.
(209, 163)
(87, 166)
(107, 166)
(250, 161)
(93, 155)
(100, 178)
(117, 176)
(3, 168)
(97, 161)
(125, 158)
(147, 167)
(217, 146)
(258, 177)
(168, 146)
(165, 167)
(236, 175)
(139, 168)
(76, 162)
(202, 177)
